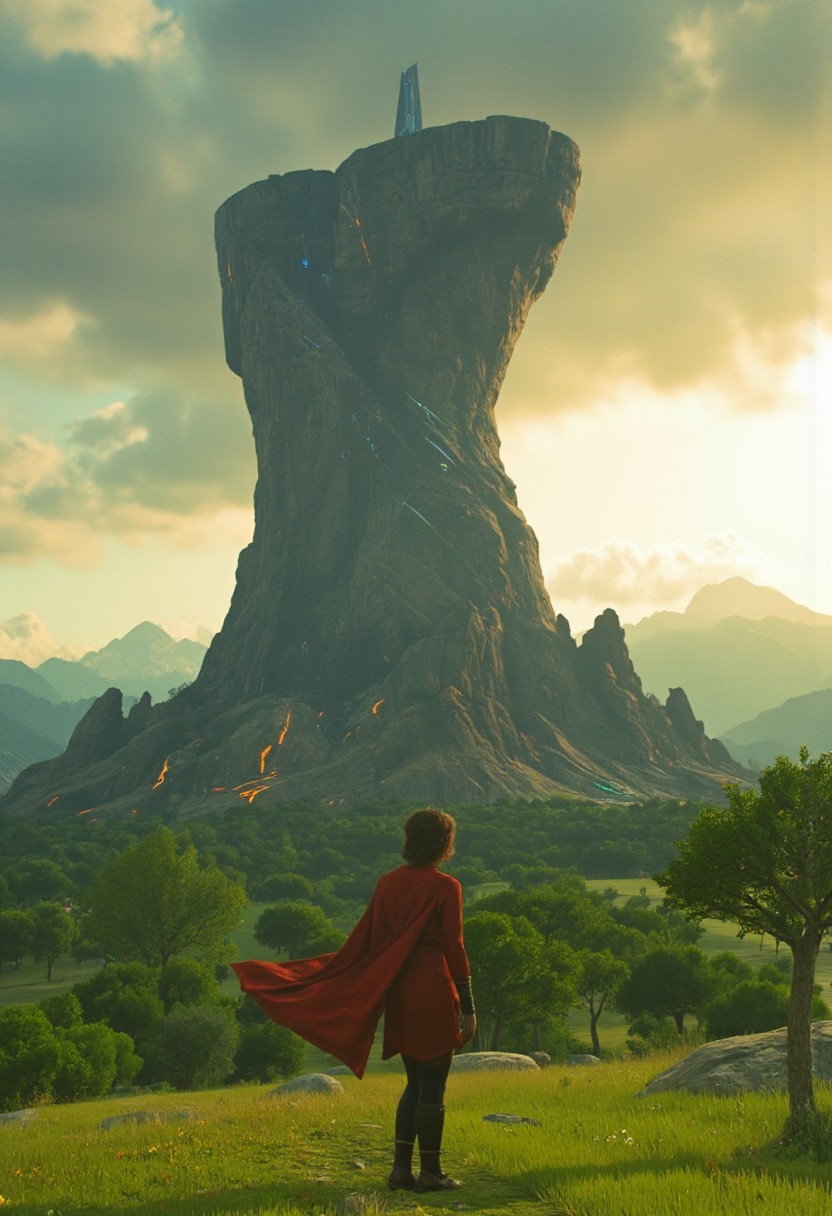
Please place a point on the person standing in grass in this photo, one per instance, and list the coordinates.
(406, 959)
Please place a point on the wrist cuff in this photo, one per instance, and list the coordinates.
(466, 996)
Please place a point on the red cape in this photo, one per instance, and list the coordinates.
(335, 1000)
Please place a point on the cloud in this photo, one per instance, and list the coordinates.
(694, 263)
(179, 470)
(110, 31)
(27, 639)
(115, 160)
(623, 575)
(43, 343)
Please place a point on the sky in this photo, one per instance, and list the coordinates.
(666, 415)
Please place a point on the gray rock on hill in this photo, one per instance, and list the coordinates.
(747, 1062)
(390, 636)
(494, 1061)
(309, 1083)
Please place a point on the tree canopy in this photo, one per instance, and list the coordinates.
(765, 862)
(153, 902)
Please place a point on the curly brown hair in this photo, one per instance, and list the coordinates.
(429, 837)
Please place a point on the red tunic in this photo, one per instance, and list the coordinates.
(399, 959)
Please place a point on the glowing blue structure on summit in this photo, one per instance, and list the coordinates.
(409, 110)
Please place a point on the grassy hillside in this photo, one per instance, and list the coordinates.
(599, 1151)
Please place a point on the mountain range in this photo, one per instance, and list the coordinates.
(40, 707)
(757, 668)
(754, 665)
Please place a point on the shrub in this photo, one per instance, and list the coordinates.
(753, 1007)
(648, 1033)
(267, 1051)
(186, 982)
(197, 1046)
(63, 1010)
(29, 1055)
(284, 887)
(125, 996)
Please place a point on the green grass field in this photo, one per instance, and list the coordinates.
(598, 1151)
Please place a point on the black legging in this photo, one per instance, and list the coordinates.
(426, 1079)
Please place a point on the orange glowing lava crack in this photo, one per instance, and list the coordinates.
(252, 794)
(263, 756)
(285, 729)
(160, 779)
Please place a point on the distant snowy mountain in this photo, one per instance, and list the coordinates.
(40, 708)
(145, 659)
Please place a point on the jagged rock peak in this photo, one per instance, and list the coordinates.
(100, 731)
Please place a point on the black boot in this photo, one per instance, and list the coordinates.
(402, 1177)
(430, 1120)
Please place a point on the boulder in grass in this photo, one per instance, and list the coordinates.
(748, 1062)
(309, 1083)
(130, 1116)
(493, 1061)
(19, 1116)
(584, 1061)
(513, 1119)
(145, 1116)
(541, 1058)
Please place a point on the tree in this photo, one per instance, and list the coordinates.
(53, 933)
(125, 996)
(267, 1051)
(301, 929)
(197, 1046)
(729, 970)
(153, 902)
(38, 878)
(92, 1057)
(752, 1007)
(63, 1010)
(662, 924)
(520, 980)
(599, 978)
(187, 982)
(560, 913)
(29, 1055)
(668, 981)
(284, 887)
(765, 863)
(16, 930)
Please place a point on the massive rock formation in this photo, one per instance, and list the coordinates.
(390, 635)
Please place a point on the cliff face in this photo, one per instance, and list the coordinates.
(390, 635)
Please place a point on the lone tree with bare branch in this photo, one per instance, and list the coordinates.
(765, 862)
